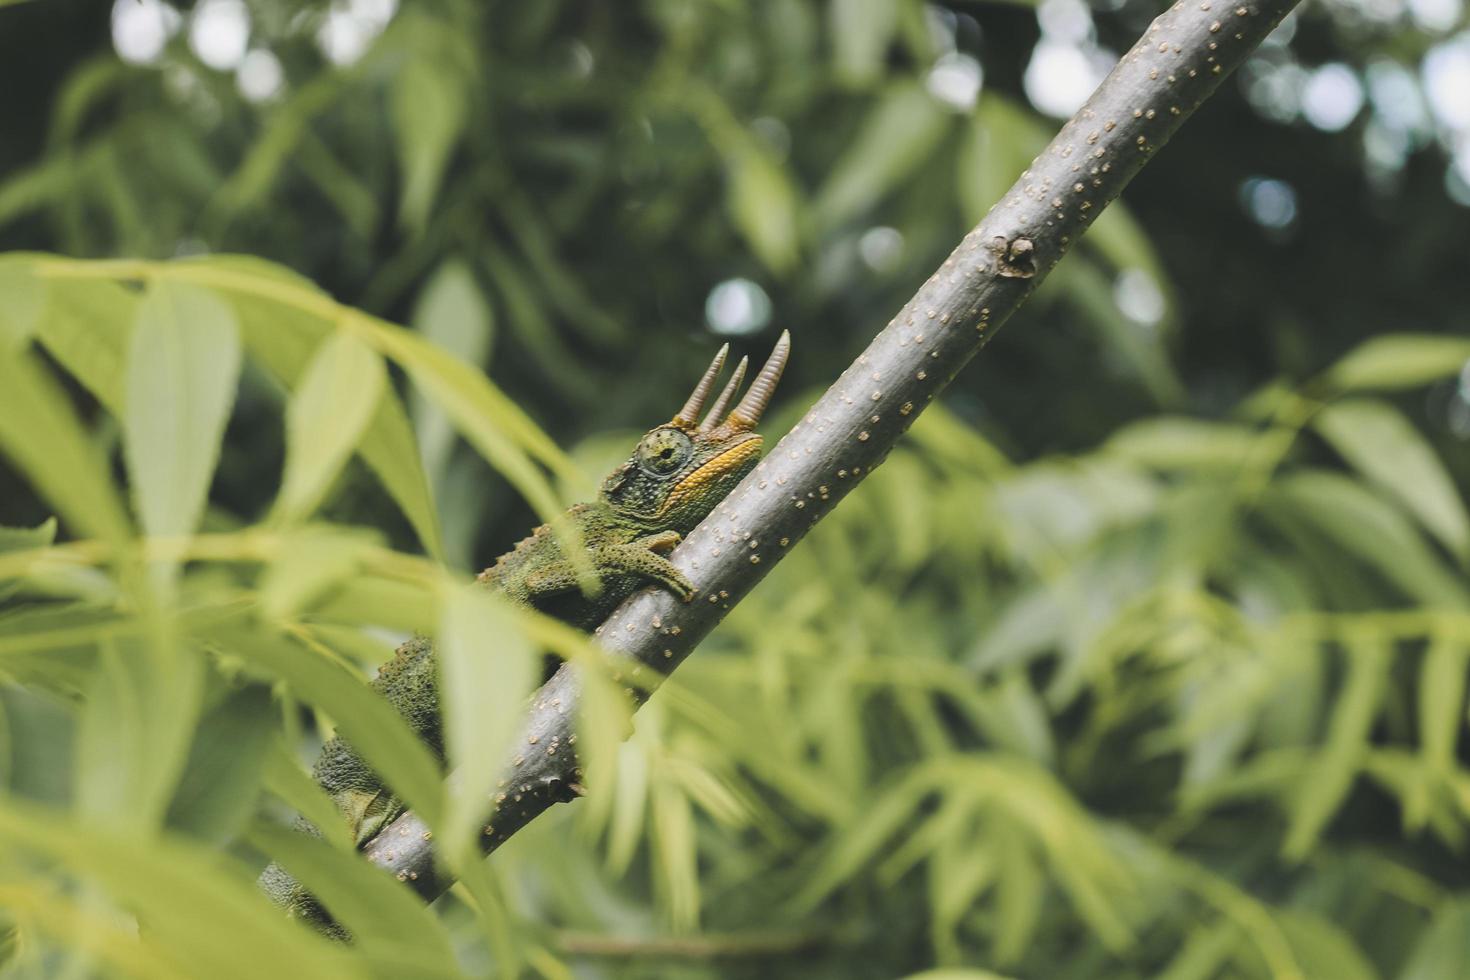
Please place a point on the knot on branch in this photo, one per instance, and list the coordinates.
(1016, 258)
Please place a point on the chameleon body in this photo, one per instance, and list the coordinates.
(675, 476)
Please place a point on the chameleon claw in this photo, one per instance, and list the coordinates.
(663, 543)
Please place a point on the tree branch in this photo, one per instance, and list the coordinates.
(1180, 60)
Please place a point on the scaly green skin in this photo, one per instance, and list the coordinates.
(675, 476)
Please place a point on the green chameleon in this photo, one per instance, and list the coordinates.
(676, 475)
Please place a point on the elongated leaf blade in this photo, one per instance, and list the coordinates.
(491, 422)
(222, 778)
(1442, 700)
(45, 441)
(387, 921)
(367, 721)
(764, 204)
(283, 317)
(24, 300)
(428, 111)
(1330, 778)
(1398, 361)
(453, 314)
(294, 786)
(183, 363)
(1444, 948)
(201, 908)
(88, 328)
(330, 410)
(488, 669)
(1369, 529)
(1381, 444)
(899, 134)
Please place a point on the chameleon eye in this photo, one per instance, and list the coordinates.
(663, 451)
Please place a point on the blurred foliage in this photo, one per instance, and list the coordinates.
(1145, 655)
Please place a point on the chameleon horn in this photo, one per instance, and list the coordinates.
(748, 412)
(689, 414)
(718, 408)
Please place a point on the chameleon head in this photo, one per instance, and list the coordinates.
(681, 470)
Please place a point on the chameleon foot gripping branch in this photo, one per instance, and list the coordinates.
(675, 476)
(1177, 63)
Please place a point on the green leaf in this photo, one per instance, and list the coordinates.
(899, 134)
(311, 563)
(959, 872)
(428, 113)
(183, 364)
(528, 318)
(673, 844)
(1443, 949)
(1024, 718)
(603, 724)
(52, 646)
(407, 607)
(339, 183)
(998, 142)
(390, 451)
(1381, 444)
(491, 422)
(764, 204)
(501, 935)
(216, 795)
(45, 442)
(1118, 238)
(22, 301)
(25, 539)
(453, 314)
(140, 718)
(537, 235)
(37, 736)
(1028, 625)
(483, 412)
(87, 328)
(861, 32)
(488, 669)
(331, 408)
(1140, 347)
(1323, 949)
(281, 335)
(1178, 443)
(368, 722)
(42, 535)
(630, 805)
(197, 905)
(1397, 361)
(1442, 700)
(1364, 526)
(388, 922)
(55, 626)
(285, 129)
(112, 739)
(861, 840)
(1020, 893)
(295, 787)
(1330, 777)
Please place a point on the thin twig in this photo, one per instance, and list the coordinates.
(1180, 60)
